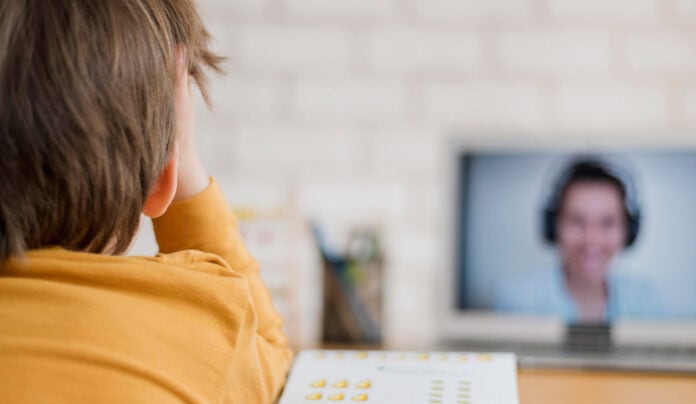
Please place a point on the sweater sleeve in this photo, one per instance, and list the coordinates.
(205, 222)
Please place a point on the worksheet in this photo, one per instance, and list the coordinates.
(400, 377)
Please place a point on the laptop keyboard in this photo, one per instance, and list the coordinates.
(625, 358)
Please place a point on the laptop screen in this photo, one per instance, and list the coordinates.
(585, 238)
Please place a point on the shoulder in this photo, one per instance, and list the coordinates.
(192, 260)
(528, 290)
(540, 279)
(632, 295)
(629, 285)
(177, 276)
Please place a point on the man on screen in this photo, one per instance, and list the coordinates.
(592, 216)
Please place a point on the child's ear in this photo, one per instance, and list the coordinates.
(163, 191)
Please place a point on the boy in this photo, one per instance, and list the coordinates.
(96, 126)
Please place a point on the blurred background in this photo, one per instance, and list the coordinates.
(342, 112)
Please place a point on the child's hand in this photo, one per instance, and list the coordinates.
(192, 177)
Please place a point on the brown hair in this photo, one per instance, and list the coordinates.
(87, 115)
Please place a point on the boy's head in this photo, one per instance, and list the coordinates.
(87, 115)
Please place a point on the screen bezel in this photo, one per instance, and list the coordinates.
(480, 325)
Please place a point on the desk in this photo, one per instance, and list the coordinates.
(575, 387)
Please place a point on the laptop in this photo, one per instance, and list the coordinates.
(580, 257)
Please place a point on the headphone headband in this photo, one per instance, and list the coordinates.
(594, 170)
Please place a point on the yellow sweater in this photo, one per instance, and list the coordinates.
(184, 326)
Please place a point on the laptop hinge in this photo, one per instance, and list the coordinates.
(588, 338)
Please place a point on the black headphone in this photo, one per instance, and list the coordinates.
(591, 169)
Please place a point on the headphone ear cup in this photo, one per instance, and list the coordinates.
(632, 229)
(550, 225)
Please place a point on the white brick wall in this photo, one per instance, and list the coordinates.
(403, 152)
(245, 97)
(357, 201)
(550, 52)
(486, 104)
(617, 10)
(349, 99)
(684, 10)
(662, 53)
(348, 105)
(690, 107)
(402, 50)
(291, 49)
(612, 107)
(357, 10)
(472, 10)
(213, 9)
(411, 323)
(293, 154)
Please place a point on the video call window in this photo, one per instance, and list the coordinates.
(587, 238)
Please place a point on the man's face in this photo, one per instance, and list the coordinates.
(591, 228)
